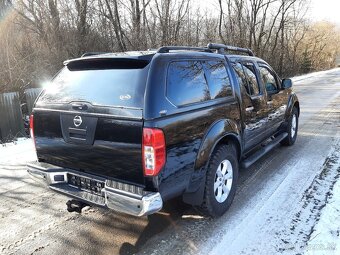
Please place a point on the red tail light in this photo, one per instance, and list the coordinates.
(153, 151)
(32, 128)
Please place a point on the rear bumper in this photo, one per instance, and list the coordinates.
(114, 195)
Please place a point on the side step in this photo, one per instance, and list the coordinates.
(263, 151)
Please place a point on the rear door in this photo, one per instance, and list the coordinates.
(90, 118)
(254, 106)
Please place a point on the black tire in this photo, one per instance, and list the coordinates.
(210, 205)
(290, 139)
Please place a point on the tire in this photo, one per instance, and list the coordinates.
(216, 199)
(292, 132)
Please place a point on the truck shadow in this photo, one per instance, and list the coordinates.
(173, 211)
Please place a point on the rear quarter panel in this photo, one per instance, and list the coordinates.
(184, 135)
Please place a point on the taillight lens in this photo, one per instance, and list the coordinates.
(32, 127)
(153, 151)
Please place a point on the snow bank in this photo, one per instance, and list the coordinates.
(325, 239)
(21, 150)
(312, 75)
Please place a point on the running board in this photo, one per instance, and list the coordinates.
(263, 151)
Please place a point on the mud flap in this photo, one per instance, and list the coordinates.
(196, 197)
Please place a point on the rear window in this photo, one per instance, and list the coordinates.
(106, 84)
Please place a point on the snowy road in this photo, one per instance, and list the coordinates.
(284, 202)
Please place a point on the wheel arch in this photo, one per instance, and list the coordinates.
(292, 102)
(231, 138)
(297, 106)
(221, 132)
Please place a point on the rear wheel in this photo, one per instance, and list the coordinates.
(221, 181)
(292, 128)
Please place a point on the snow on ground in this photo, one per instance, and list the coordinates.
(289, 232)
(21, 150)
(315, 202)
(325, 238)
(312, 75)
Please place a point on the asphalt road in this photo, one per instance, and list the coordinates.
(268, 215)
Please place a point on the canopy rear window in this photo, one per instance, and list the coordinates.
(103, 82)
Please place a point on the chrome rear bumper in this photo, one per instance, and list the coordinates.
(114, 195)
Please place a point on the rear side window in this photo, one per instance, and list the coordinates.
(242, 79)
(253, 85)
(112, 84)
(186, 83)
(218, 79)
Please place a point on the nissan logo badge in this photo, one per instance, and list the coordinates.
(77, 121)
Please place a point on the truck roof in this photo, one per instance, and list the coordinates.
(234, 58)
(212, 50)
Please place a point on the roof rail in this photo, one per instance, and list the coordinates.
(221, 48)
(152, 49)
(166, 49)
(87, 54)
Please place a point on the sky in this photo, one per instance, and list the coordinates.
(325, 10)
(319, 10)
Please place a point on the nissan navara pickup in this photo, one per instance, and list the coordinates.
(129, 131)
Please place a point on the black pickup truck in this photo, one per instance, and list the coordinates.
(128, 131)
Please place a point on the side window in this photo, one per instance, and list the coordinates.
(186, 83)
(268, 79)
(218, 79)
(242, 79)
(249, 69)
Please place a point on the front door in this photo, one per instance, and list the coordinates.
(277, 98)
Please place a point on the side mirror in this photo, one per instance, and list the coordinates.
(287, 83)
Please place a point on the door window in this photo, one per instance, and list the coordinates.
(268, 79)
(253, 86)
(241, 76)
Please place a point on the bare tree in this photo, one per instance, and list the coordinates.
(4, 6)
(37, 35)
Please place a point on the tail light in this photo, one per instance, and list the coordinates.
(32, 127)
(153, 151)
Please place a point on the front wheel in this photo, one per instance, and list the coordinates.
(292, 128)
(221, 181)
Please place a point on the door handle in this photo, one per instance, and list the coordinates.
(249, 109)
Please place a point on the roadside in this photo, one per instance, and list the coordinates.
(316, 210)
(312, 75)
(19, 150)
(325, 238)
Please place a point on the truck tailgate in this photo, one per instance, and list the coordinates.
(100, 145)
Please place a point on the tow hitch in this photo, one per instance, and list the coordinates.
(75, 206)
